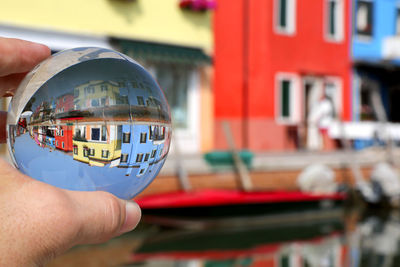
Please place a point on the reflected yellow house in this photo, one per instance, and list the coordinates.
(97, 145)
(98, 94)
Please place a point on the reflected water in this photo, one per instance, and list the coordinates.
(327, 238)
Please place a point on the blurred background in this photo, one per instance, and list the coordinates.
(286, 138)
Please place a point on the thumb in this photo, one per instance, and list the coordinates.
(101, 216)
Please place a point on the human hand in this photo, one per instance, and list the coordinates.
(39, 221)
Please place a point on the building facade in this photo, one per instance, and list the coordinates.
(272, 64)
(376, 69)
(174, 42)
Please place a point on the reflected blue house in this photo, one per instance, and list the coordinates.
(141, 147)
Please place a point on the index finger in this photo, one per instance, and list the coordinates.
(18, 56)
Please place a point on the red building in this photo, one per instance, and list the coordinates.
(63, 138)
(273, 60)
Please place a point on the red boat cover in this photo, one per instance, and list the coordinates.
(228, 197)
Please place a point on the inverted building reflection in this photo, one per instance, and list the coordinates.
(101, 123)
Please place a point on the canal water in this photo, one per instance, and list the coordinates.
(324, 237)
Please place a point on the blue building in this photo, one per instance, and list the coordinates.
(376, 64)
(141, 148)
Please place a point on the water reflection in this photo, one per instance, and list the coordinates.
(101, 123)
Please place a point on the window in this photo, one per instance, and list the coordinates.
(105, 153)
(104, 88)
(124, 157)
(62, 144)
(285, 98)
(139, 157)
(146, 157)
(287, 104)
(153, 153)
(75, 150)
(96, 134)
(91, 152)
(143, 137)
(103, 133)
(65, 99)
(398, 20)
(56, 142)
(140, 100)
(95, 102)
(364, 18)
(334, 20)
(85, 151)
(103, 101)
(126, 138)
(141, 171)
(285, 16)
(62, 132)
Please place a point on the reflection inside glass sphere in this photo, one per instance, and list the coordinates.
(90, 119)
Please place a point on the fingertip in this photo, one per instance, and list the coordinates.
(132, 216)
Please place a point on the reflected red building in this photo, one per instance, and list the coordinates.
(63, 138)
(273, 59)
(64, 103)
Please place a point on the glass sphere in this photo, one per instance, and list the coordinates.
(90, 119)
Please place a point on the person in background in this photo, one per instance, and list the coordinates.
(322, 115)
(39, 221)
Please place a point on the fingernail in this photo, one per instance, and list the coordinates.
(133, 215)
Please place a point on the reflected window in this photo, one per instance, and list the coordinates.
(105, 153)
(103, 133)
(139, 157)
(96, 134)
(126, 137)
(124, 157)
(141, 171)
(140, 100)
(143, 137)
(85, 151)
(153, 153)
(146, 157)
(364, 18)
(75, 150)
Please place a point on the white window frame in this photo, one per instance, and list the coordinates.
(294, 94)
(338, 98)
(338, 20)
(290, 28)
(363, 37)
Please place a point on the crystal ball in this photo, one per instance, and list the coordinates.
(90, 119)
